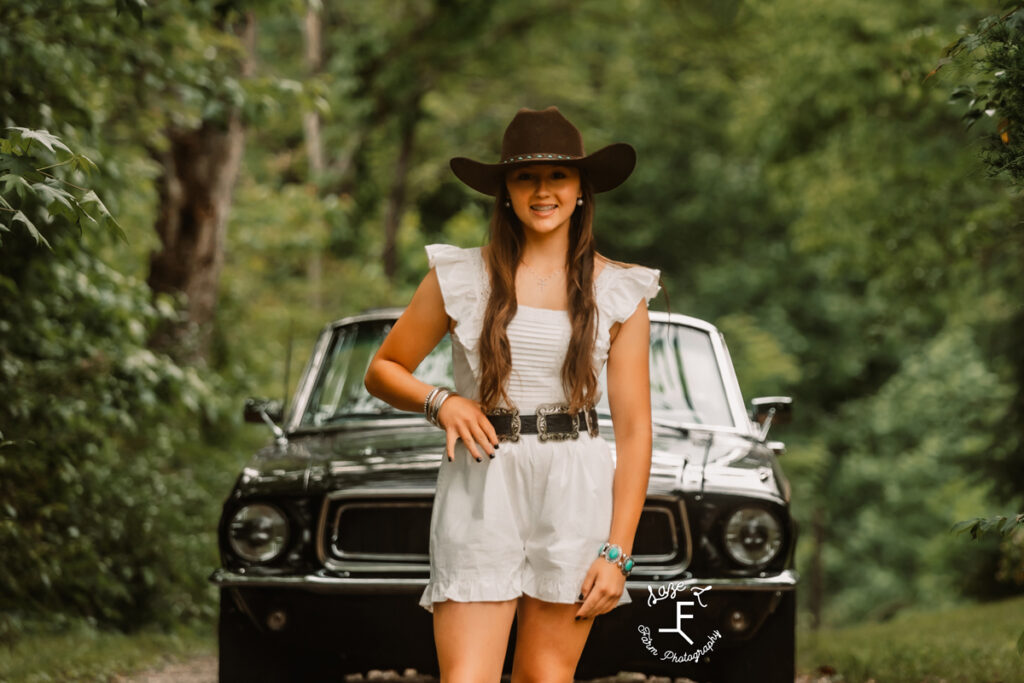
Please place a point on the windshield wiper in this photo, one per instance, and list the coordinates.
(385, 412)
(681, 429)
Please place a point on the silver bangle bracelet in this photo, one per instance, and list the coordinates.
(432, 415)
(437, 408)
(428, 399)
(435, 404)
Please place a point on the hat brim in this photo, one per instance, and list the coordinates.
(607, 168)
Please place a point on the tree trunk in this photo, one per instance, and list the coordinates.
(311, 119)
(396, 198)
(200, 167)
(314, 150)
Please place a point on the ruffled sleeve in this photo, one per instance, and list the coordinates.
(626, 290)
(619, 291)
(465, 289)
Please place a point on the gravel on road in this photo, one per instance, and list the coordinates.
(204, 670)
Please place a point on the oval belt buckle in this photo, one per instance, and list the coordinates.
(543, 411)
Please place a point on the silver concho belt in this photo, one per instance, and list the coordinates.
(551, 422)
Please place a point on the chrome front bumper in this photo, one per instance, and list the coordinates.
(326, 583)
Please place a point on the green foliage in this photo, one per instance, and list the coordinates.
(996, 53)
(169, 63)
(800, 183)
(766, 368)
(80, 652)
(97, 466)
(965, 644)
(887, 273)
(111, 462)
(980, 526)
(899, 475)
(1007, 527)
(270, 289)
(32, 193)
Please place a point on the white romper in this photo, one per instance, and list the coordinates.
(530, 520)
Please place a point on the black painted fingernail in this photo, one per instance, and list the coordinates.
(478, 459)
(496, 445)
(581, 596)
(492, 455)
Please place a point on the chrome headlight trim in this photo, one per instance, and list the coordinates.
(258, 532)
(752, 536)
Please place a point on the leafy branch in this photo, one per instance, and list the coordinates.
(998, 524)
(997, 50)
(30, 194)
(981, 526)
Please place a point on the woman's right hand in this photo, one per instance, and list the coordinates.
(463, 419)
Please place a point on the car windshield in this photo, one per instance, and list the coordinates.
(686, 384)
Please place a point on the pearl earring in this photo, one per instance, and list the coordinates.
(579, 201)
(508, 204)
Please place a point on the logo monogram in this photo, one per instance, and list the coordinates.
(684, 611)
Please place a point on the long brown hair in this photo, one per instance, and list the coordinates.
(579, 379)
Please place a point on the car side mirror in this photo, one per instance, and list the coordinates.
(769, 410)
(255, 408)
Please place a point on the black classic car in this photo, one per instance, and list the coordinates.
(324, 537)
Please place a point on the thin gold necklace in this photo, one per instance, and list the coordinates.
(542, 282)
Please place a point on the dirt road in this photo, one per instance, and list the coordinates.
(204, 670)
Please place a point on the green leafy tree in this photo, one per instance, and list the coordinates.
(995, 53)
(996, 93)
(105, 505)
(97, 429)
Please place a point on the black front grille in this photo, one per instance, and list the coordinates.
(381, 529)
(389, 531)
(662, 544)
(375, 531)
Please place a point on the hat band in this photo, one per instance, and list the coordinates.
(524, 157)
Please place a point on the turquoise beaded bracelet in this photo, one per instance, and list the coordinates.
(613, 553)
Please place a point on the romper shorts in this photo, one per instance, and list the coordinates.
(530, 521)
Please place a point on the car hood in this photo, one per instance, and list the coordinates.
(714, 461)
(394, 456)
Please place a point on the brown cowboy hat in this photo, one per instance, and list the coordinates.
(545, 136)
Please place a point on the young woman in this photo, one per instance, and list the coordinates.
(532, 515)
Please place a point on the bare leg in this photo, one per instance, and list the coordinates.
(549, 641)
(472, 638)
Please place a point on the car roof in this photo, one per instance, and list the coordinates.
(392, 313)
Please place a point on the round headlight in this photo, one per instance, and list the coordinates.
(258, 533)
(752, 536)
